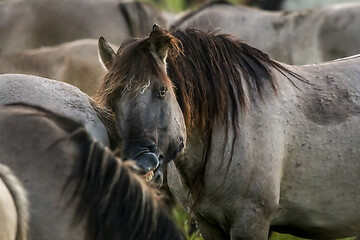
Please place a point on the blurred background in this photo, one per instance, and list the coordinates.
(181, 5)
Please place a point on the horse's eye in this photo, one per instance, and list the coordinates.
(162, 92)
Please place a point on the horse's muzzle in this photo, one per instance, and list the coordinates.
(151, 167)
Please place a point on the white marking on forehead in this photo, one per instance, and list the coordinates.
(143, 88)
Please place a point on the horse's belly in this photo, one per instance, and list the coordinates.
(323, 207)
(315, 225)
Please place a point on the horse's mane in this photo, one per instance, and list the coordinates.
(115, 202)
(107, 117)
(221, 76)
(222, 72)
(189, 15)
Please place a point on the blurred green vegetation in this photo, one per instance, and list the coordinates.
(182, 220)
(177, 6)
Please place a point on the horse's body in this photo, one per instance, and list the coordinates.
(56, 96)
(299, 37)
(75, 62)
(296, 162)
(269, 145)
(47, 152)
(33, 24)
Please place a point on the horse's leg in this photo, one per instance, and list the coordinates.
(253, 220)
(253, 228)
(210, 233)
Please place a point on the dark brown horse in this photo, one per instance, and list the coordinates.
(103, 197)
(269, 145)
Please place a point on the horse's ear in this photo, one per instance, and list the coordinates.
(160, 43)
(106, 53)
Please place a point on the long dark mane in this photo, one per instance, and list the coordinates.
(189, 15)
(115, 202)
(222, 74)
(107, 117)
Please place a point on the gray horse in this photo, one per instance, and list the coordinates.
(299, 37)
(33, 24)
(270, 146)
(76, 188)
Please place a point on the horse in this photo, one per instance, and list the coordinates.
(77, 188)
(74, 62)
(14, 209)
(33, 24)
(270, 146)
(294, 37)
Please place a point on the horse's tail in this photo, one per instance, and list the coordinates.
(113, 201)
(20, 198)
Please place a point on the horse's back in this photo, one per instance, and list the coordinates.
(58, 97)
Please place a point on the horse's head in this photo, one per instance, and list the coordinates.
(137, 88)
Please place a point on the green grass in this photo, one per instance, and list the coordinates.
(181, 219)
